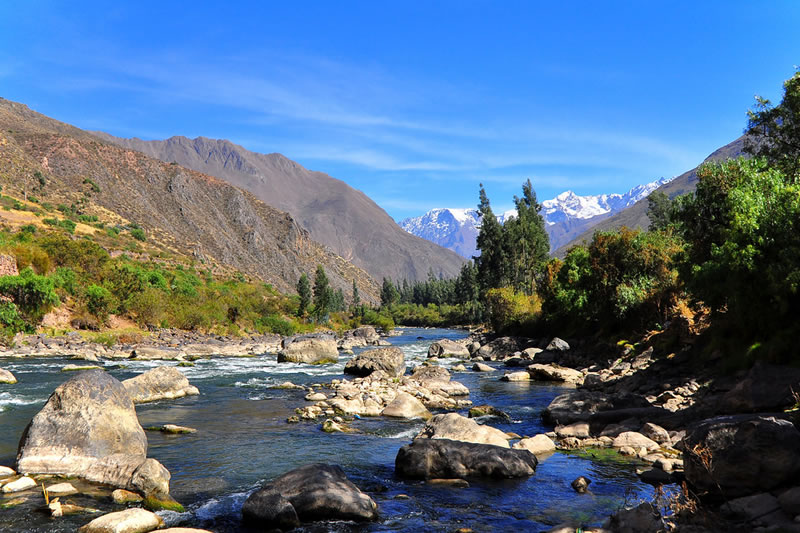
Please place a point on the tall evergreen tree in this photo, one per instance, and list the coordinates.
(356, 296)
(490, 263)
(526, 242)
(304, 291)
(388, 292)
(322, 294)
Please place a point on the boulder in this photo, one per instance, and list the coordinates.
(487, 410)
(554, 372)
(747, 454)
(309, 349)
(442, 458)
(127, 521)
(581, 405)
(644, 517)
(89, 429)
(160, 383)
(480, 367)
(453, 426)
(151, 353)
(789, 501)
(766, 388)
(367, 333)
(448, 348)
(425, 373)
(656, 433)
(516, 376)
(390, 360)
(581, 484)
(502, 347)
(634, 440)
(6, 471)
(306, 494)
(406, 406)
(18, 485)
(539, 445)
(7, 377)
(557, 345)
(576, 429)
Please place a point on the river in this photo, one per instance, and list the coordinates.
(243, 440)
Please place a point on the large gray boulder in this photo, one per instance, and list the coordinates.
(406, 406)
(160, 383)
(7, 377)
(306, 494)
(390, 360)
(765, 389)
(553, 372)
(127, 521)
(89, 429)
(448, 348)
(367, 333)
(440, 458)
(582, 405)
(453, 426)
(502, 347)
(309, 349)
(741, 455)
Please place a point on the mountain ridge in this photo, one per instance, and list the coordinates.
(337, 215)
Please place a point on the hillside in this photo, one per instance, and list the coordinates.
(182, 212)
(635, 216)
(335, 214)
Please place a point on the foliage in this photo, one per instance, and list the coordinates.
(99, 301)
(34, 295)
(322, 294)
(659, 210)
(510, 310)
(355, 302)
(304, 292)
(526, 241)
(138, 234)
(491, 263)
(389, 293)
(277, 324)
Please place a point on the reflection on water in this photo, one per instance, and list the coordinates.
(243, 440)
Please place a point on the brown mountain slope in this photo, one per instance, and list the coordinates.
(185, 211)
(335, 214)
(635, 216)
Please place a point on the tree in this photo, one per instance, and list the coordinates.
(526, 241)
(356, 296)
(304, 291)
(773, 132)
(659, 210)
(388, 292)
(490, 263)
(322, 294)
(34, 295)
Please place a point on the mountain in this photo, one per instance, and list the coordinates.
(335, 214)
(566, 216)
(183, 212)
(635, 216)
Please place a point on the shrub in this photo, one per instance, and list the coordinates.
(138, 234)
(277, 324)
(99, 301)
(510, 310)
(34, 295)
(10, 320)
(149, 307)
(64, 278)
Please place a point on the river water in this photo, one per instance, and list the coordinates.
(243, 440)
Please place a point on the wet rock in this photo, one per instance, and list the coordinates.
(557, 345)
(581, 484)
(453, 426)
(634, 440)
(756, 506)
(288, 385)
(656, 476)
(309, 493)
(390, 360)
(89, 429)
(152, 353)
(459, 368)
(61, 489)
(172, 429)
(656, 433)
(7, 377)
(448, 348)
(581, 405)
(6, 471)
(160, 383)
(748, 454)
(127, 521)
(79, 368)
(315, 397)
(637, 520)
(406, 406)
(766, 388)
(516, 376)
(309, 349)
(480, 367)
(122, 496)
(23, 483)
(487, 410)
(457, 483)
(553, 372)
(539, 445)
(578, 429)
(441, 458)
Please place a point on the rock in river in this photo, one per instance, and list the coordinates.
(127, 521)
(442, 458)
(390, 360)
(7, 377)
(456, 427)
(89, 429)
(161, 383)
(406, 406)
(309, 493)
(448, 348)
(310, 349)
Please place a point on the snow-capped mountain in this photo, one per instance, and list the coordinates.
(565, 216)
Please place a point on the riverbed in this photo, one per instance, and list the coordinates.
(243, 440)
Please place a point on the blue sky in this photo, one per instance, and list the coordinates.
(414, 103)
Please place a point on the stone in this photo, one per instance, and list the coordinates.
(582, 405)
(634, 440)
(61, 489)
(656, 476)
(487, 410)
(406, 406)
(516, 376)
(480, 367)
(152, 353)
(453, 426)
(391, 360)
(553, 372)
(160, 383)
(748, 454)
(751, 507)
(122, 496)
(577, 429)
(457, 483)
(7, 377)
(23, 483)
(315, 397)
(655, 433)
(6, 471)
(309, 349)
(539, 445)
(766, 388)
(581, 484)
(89, 429)
(172, 429)
(557, 345)
(309, 493)
(448, 348)
(128, 521)
(78, 368)
(501, 347)
(789, 501)
(642, 518)
(442, 458)
(459, 368)
(430, 373)
(367, 333)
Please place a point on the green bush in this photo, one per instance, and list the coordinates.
(510, 310)
(149, 306)
(64, 278)
(99, 301)
(277, 324)
(138, 234)
(10, 320)
(34, 295)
